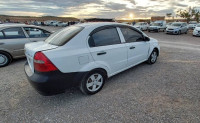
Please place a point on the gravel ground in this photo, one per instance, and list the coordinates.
(168, 91)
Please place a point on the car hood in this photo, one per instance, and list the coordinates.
(173, 27)
(154, 26)
(191, 25)
(136, 26)
(197, 28)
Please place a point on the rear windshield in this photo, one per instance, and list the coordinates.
(61, 37)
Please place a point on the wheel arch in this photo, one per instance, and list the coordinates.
(3, 51)
(157, 50)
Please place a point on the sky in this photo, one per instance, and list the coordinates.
(118, 9)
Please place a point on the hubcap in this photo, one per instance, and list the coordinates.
(94, 82)
(3, 59)
(153, 57)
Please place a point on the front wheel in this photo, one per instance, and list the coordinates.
(5, 59)
(153, 57)
(93, 83)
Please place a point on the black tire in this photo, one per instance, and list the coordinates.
(83, 85)
(6, 59)
(150, 61)
(179, 32)
(186, 32)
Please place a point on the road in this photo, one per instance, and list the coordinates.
(168, 91)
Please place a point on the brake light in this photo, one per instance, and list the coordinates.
(42, 63)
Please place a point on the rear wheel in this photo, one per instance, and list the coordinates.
(153, 57)
(5, 59)
(93, 83)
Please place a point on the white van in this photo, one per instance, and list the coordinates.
(157, 26)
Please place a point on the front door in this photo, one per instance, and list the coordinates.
(14, 40)
(107, 49)
(137, 48)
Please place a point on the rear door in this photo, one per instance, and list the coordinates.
(107, 49)
(36, 34)
(137, 48)
(14, 40)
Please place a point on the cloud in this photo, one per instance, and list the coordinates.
(94, 8)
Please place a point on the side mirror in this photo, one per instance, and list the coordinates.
(146, 38)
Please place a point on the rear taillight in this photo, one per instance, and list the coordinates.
(42, 63)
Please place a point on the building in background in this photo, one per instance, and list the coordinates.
(157, 18)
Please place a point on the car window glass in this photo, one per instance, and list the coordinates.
(15, 32)
(131, 35)
(1, 35)
(64, 35)
(105, 37)
(36, 32)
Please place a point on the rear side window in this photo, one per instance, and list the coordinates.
(36, 32)
(61, 37)
(1, 35)
(15, 32)
(104, 37)
(131, 35)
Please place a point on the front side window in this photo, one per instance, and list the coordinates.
(61, 37)
(131, 35)
(36, 33)
(105, 37)
(1, 35)
(15, 32)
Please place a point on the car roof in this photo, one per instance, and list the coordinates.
(3, 26)
(99, 24)
(179, 22)
(16, 25)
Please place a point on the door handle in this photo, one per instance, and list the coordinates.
(101, 53)
(132, 47)
(1, 43)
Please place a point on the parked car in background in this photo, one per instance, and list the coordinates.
(169, 24)
(142, 26)
(196, 31)
(157, 26)
(85, 55)
(13, 37)
(60, 24)
(177, 28)
(192, 24)
(0, 22)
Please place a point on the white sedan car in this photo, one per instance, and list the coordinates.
(196, 31)
(142, 26)
(85, 55)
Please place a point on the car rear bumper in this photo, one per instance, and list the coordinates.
(53, 83)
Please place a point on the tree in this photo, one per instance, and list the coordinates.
(169, 14)
(189, 14)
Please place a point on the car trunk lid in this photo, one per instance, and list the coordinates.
(32, 48)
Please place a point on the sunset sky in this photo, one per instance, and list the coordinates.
(119, 9)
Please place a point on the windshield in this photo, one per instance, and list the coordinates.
(61, 37)
(169, 23)
(192, 22)
(156, 24)
(138, 24)
(176, 24)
